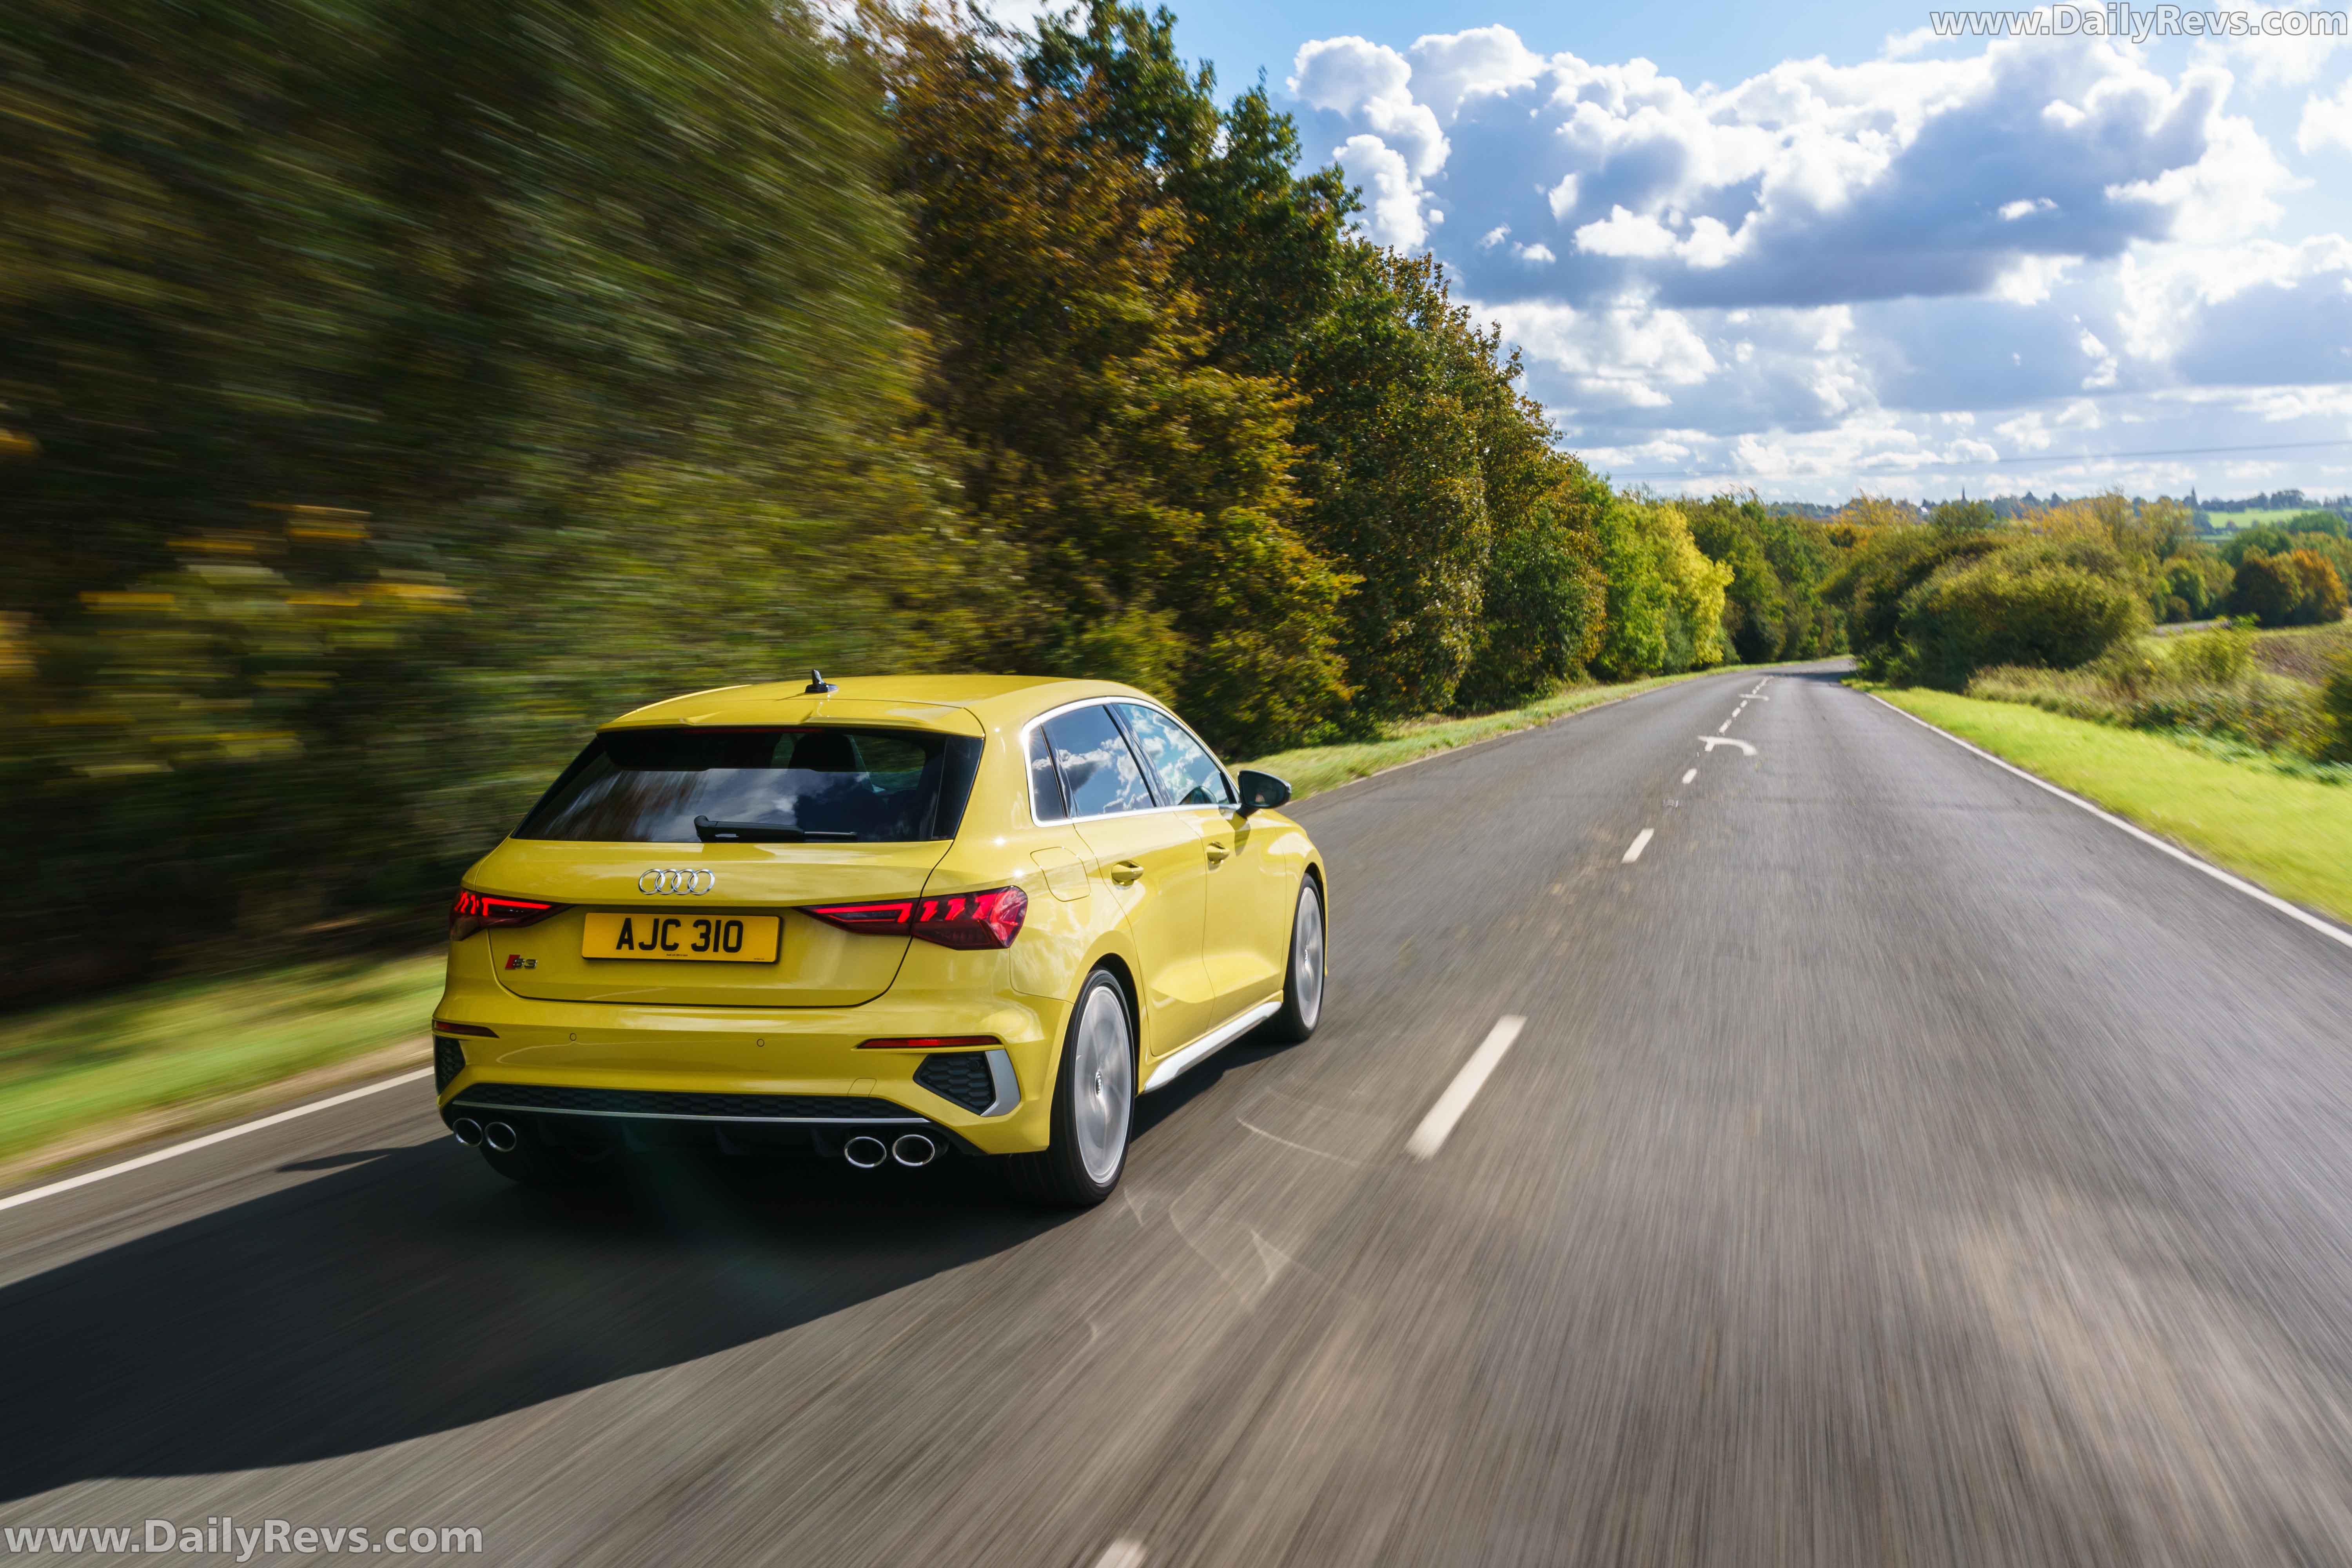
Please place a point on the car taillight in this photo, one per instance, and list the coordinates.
(992, 918)
(473, 911)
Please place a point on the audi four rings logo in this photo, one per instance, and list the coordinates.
(678, 879)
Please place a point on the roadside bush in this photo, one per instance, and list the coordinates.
(2336, 713)
(1886, 567)
(2000, 611)
(2223, 656)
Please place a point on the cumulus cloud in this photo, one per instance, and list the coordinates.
(1828, 266)
(2327, 121)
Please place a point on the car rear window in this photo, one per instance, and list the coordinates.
(871, 786)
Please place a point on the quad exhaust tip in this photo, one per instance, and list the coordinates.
(865, 1152)
(913, 1149)
(500, 1137)
(469, 1130)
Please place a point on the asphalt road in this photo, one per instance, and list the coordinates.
(1896, 1165)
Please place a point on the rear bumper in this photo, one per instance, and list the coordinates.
(786, 1075)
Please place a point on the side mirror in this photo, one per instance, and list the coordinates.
(1261, 791)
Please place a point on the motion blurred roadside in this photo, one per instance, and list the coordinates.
(391, 389)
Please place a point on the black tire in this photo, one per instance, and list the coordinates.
(1304, 981)
(1085, 1131)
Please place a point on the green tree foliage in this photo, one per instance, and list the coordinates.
(2019, 606)
(1545, 603)
(2336, 710)
(1774, 607)
(2294, 588)
(1665, 598)
(1147, 490)
(1881, 573)
(584, 320)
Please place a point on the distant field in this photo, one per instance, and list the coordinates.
(2291, 835)
(2234, 520)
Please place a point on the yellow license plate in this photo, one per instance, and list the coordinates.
(722, 939)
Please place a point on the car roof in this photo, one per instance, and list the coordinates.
(968, 704)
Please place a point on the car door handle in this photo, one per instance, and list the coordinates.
(1127, 872)
(1218, 852)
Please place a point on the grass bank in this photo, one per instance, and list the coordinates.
(1314, 769)
(82, 1077)
(2292, 836)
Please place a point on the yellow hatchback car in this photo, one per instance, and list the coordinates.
(882, 920)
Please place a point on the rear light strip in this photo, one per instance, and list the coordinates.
(932, 1043)
(968, 921)
(476, 911)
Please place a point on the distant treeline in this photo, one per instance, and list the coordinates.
(397, 389)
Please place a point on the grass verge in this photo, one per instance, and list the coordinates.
(83, 1076)
(1314, 769)
(2292, 836)
(88, 1074)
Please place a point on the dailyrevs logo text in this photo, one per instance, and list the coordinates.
(2140, 24)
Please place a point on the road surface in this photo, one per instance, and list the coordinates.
(1895, 1164)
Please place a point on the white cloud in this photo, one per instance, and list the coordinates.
(2327, 121)
(1391, 212)
(1903, 268)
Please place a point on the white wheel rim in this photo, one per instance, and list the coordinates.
(1103, 1097)
(1306, 955)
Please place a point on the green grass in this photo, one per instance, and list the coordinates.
(69, 1070)
(1314, 769)
(2292, 836)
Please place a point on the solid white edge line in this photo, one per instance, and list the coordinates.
(209, 1139)
(1430, 1136)
(1641, 842)
(2292, 911)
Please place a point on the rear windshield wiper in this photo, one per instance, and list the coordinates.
(711, 832)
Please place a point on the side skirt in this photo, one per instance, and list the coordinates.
(1175, 1066)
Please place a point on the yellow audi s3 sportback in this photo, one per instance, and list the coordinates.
(882, 920)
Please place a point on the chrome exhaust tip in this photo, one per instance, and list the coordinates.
(500, 1137)
(469, 1130)
(865, 1152)
(913, 1149)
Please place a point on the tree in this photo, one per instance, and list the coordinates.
(1148, 491)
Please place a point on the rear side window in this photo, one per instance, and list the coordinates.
(818, 784)
(1187, 775)
(1099, 773)
(1044, 782)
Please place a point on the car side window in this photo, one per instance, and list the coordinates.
(1046, 802)
(1187, 775)
(1099, 770)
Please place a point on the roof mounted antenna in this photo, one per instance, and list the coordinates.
(818, 685)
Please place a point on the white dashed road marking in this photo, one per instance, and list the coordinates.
(1121, 1555)
(1641, 842)
(1690, 775)
(1430, 1136)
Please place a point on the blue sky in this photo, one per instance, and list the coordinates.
(1813, 250)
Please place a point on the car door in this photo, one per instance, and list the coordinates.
(1149, 861)
(1246, 929)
